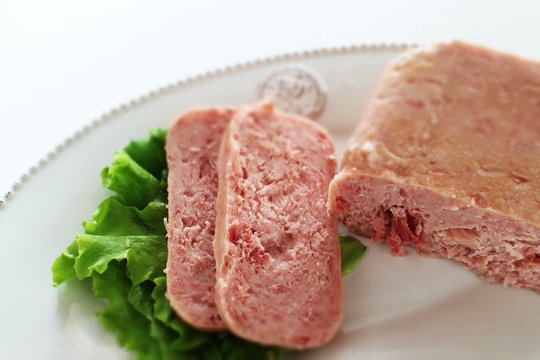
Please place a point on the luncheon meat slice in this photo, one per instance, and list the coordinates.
(276, 246)
(447, 160)
(192, 151)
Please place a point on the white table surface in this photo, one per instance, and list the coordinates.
(65, 62)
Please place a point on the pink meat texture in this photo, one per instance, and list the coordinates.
(192, 152)
(446, 159)
(276, 246)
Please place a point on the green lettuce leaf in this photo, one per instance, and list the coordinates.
(63, 268)
(150, 153)
(351, 253)
(132, 183)
(132, 328)
(146, 255)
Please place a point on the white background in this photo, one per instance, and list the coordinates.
(65, 62)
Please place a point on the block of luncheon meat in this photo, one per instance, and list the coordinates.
(276, 246)
(192, 152)
(446, 159)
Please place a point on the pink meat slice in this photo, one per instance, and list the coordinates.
(276, 246)
(192, 152)
(446, 159)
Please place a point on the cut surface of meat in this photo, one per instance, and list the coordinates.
(446, 159)
(192, 150)
(276, 246)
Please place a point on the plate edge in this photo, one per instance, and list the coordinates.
(107, 116)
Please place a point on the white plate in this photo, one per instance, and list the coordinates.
(395, 308)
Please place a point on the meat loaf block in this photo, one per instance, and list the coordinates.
(447, 160)
(192, 152)
(276, 246)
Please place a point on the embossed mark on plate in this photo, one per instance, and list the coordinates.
(295, 89)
